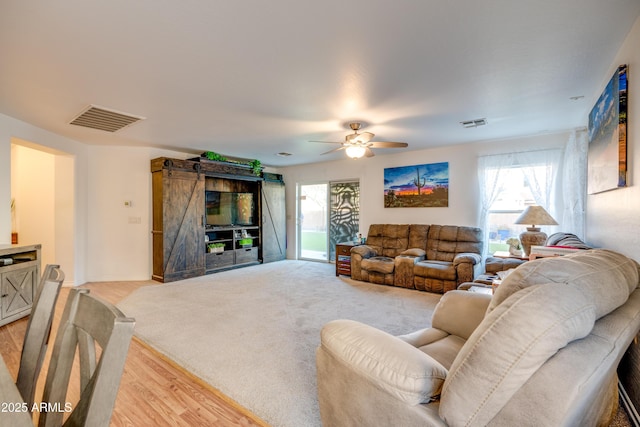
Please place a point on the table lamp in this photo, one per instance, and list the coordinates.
(534, 215)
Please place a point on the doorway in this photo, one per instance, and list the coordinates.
(42, 192)
(313, 221)
(328, 213)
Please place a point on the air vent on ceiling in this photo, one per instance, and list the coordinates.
(104, 119)
(474, 123)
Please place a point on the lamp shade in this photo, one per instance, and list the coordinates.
(535, 215)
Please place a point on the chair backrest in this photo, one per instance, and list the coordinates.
(36, 337)
(86, 321)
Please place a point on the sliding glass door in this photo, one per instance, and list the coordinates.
(328, 213)
(312, 221)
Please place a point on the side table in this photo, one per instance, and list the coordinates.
(343, 258)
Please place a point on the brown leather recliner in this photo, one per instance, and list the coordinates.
(434, 258)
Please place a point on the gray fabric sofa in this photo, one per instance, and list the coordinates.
(433, 258)
(543, 351)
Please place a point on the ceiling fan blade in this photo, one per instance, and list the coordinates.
(387, 144)
(328, 142)
(334, 150)
(365, 137)
(368, 152)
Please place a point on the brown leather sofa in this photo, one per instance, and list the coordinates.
(433, 258)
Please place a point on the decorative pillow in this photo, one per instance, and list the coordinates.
(509, 346)
(606, 277)
(393, 365)
(413, 252)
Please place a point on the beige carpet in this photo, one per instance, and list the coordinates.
(252, 332)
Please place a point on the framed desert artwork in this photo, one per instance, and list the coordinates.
(417, 186)
(607, 157)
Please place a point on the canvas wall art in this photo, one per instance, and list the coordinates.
(607, 157)
(417, 186)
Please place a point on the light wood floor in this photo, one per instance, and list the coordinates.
(153, 391)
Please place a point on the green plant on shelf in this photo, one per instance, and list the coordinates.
(245, 242)
(215, 156)
(215, 247)
(256, 165)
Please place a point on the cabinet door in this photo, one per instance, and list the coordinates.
(17, 291)
(274, 223)
(182, 225)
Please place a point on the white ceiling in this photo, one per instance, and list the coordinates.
(254, 78)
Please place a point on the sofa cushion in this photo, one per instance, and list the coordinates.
(390, 363)
(391, 239)
(445, 241)
(459, 312)
(379, 264)
(418, 236)
(435, 270)
(509, 346)
(605, 276)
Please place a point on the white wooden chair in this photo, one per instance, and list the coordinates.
(86, 321)
(38, 331)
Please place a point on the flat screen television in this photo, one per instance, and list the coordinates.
(224, 208)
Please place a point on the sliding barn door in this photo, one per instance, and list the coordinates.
(178, 225)
(274, 223)
(344, 223)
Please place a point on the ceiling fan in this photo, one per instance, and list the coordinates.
(357, 144)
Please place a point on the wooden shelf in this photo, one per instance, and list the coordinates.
(343, 258)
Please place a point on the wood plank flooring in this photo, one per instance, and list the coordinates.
(153, 390)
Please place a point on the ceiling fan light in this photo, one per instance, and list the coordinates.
(355, 151)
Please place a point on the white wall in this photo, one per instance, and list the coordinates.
(119, 236)
(613, 217)
(463, 182)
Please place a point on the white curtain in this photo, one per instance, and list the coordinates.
(574, 183)
(540, 169)
(491, 176)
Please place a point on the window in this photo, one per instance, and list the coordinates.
(513, 197)
(508, 184)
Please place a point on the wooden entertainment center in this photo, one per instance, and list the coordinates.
(199, 203)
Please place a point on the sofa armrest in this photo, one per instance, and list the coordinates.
(468, 265)
(358, 253)
(392, 364)
(467, 257)
(460, 312)
(364, 251)
(414, 252)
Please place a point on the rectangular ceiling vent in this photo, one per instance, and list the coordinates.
(104, 119)
(474, 123)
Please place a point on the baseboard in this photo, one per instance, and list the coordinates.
(628, 405)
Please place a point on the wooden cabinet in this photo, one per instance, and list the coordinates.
(191, 202)
(343, 258)
(19, 277)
